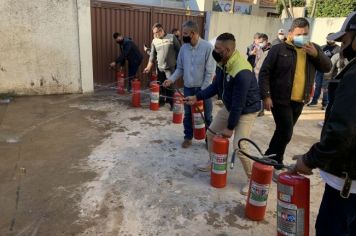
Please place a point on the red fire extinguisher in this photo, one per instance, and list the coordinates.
(136, 98)
(120, 82)
(198, 121)
(178, 108)
(220, 150)
(293, 194)
(260, 182)
(153, 77)
(154, 104)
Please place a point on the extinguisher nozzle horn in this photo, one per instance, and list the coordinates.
(233, 159)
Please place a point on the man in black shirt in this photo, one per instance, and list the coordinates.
(129, 52)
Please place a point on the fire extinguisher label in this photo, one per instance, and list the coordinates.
(290, 219)
(258, 194)
(198, 121)
(288, 190)
(177, 108)
(219, 163)
(154, 97)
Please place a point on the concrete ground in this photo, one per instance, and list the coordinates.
(93, 165)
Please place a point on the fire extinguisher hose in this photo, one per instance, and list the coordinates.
(201, 114)
(263, 159)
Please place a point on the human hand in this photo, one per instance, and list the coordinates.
(190, 100)
(310, 49)
(300, 167)
(227, 133)
(146, 70)
(112, 64)
(167, 83)
(267, 103)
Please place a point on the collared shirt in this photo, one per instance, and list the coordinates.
(196, 64)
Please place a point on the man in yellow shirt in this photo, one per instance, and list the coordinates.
(286, 79)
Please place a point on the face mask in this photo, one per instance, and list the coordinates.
(120, 41)
(330, 43)
(348, 52)
(262, 45)
(217, 56)
(187, 39)
(281, 37)
(300, 41)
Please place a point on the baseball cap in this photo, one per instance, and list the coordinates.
(281, 31)
(349, 25)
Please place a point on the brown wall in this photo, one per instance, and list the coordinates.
(133, 21)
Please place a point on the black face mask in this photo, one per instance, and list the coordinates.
(348, 52)
(187, 39)
(217, 56)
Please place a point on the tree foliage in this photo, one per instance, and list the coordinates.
(295, 3)
(333, 8)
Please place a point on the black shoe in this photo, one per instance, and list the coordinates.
(312, 104)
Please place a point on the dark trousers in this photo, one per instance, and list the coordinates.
(132, 74)
(166, 94)
(319, 85)
(187, 121)
(285, 117)
(337, 215)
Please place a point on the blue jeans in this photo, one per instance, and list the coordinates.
(319, 84)
(337, 216)
(187, 121)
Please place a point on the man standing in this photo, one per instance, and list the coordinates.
(129, 52)
(330, 49)
(280, 37)
(262, 51)
(252, 49)
(197, 66)
(164, 49)
(334, 154)
(176, 33)
(237, 86)
(286, 79)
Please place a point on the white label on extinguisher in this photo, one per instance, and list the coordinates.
(178, 108)
(290, 219)
(219, 163)
(198, 121)
(154, 97)
(258, 194)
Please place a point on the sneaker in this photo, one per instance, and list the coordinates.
(187, 143)
(244, 189)
(204, 167)
(312, 104)
(276, 175)
(261, 113)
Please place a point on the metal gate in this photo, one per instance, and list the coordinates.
(134, 21)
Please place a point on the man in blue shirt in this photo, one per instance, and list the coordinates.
(197, 66)
(237, 87)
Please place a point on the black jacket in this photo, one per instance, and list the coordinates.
(129, 52)
(277, 72)
(238, 89)
(336, 151)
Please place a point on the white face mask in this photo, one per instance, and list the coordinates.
(281, 37)
(262, 45)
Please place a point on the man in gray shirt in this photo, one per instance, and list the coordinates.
(197, 66)
(164, 50)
